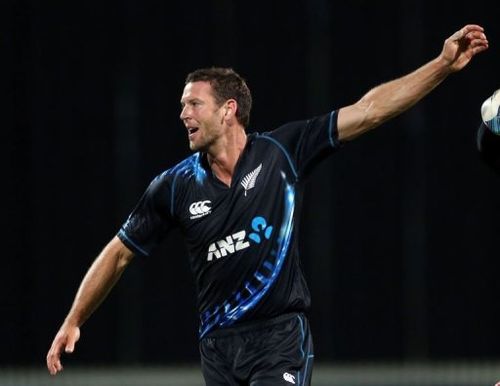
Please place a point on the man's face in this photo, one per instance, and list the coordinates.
(201, 116)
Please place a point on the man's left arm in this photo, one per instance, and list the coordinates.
(392, 98)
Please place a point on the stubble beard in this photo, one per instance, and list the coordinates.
(203, 144)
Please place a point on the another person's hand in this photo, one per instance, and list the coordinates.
(65, 339)
(460, 47)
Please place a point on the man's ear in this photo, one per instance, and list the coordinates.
(231, 107)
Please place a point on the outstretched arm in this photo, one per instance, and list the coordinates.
(98, 281)
(392, 98)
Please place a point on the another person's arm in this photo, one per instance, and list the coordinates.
(98, 281)
(392, 98)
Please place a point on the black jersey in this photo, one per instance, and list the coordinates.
(241, 240)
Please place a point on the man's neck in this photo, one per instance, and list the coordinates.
(225, 155)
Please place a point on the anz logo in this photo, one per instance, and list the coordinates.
(238, 241)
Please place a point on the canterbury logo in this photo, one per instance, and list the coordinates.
(248, 181)
(199, 209)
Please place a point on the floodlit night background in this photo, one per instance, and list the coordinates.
(400, 230)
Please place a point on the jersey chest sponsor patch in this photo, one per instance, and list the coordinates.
(260, 231)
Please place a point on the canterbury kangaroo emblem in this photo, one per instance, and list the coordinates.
(248, 182)
(199, 209)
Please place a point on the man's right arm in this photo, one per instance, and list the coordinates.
(98, 281)
(392, 98)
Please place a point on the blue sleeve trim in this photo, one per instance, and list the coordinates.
(333, 130)
(280, 146)
(122, 233)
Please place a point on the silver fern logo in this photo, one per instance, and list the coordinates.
(248, 182)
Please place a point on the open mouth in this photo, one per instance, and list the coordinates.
(192, 130)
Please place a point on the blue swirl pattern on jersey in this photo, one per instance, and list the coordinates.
(253, 290)
(191, 165)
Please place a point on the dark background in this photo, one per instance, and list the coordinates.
(400, 229)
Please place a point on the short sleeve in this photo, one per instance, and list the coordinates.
(309, 141)
(151, 219)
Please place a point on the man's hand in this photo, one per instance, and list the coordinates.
(98, 281)
(65, 339)
(460, 47)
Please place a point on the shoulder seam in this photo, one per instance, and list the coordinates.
(283, 150)
(331, 135)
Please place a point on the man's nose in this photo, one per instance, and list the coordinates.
(182, 116)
